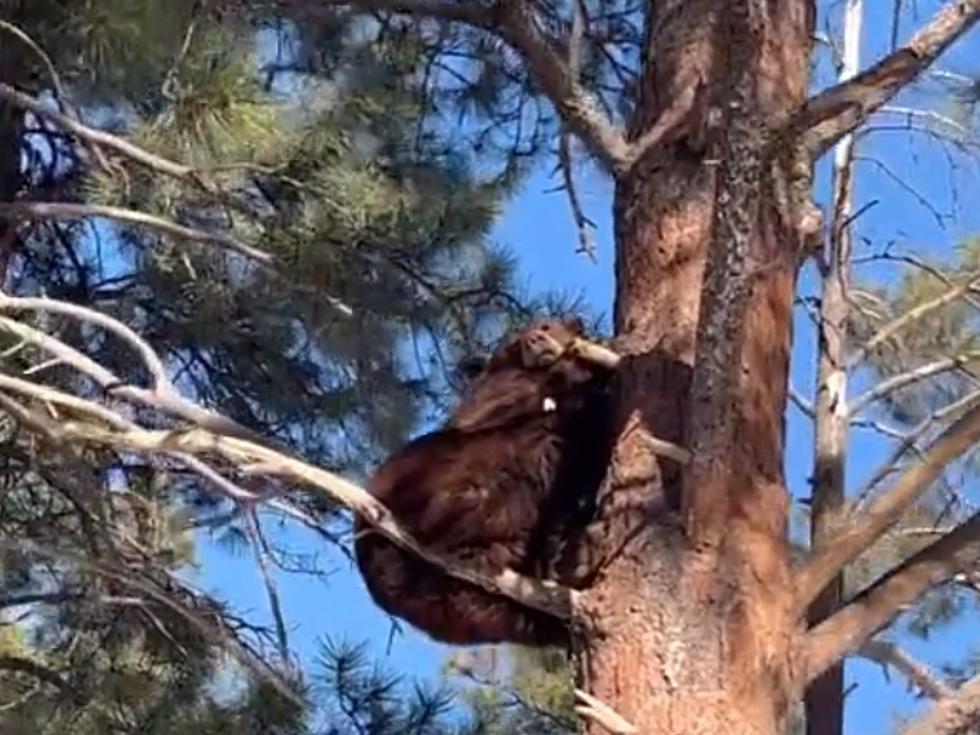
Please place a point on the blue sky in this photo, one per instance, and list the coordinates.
(538, 226)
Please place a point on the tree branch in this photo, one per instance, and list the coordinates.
(887, 654)
(951, 716)
(909, 442)
(826, 118)
(890, 329)
(512, 21)
(857, 534)
(70, 210)
(252, 457)
(872, 609)
(543, 596)
(903, 380)
(98, 137)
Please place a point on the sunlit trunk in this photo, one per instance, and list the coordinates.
(678, 648)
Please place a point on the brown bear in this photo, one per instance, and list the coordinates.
(515, 468)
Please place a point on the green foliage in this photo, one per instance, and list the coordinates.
(320, 146)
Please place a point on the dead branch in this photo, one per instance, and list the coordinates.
(584, 225)
(544, 596)
(252, 456)
(872, 609)
(162, 396)
(70, 210)
(595, 353)
(888, 654)
(951, 716)
(903, 380)
(58, 398)
(909, 441)
(826, 118)
(262, 560)
(61, 96)
(860, 532)
(513, 22)
(892, 328)
(98, 137)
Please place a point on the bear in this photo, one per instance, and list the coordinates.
(513, 471)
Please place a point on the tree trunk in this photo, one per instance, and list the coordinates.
(824, 701)
(680, 641)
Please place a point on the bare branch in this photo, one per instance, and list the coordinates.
(826, 118)
(893, 327)
(59, 88)
(513, 21)
(99, 137)
(586, 241)
(540, 595)
(951, 716)
(909, 442)
(857, 534)
(261, 549)
(801, 402)
(163, 396)
(903, 380)
(592, 352)
(887, 654)
(195, 464)
(872, 609)
(69, 210)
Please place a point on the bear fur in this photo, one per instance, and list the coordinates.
(501, 485)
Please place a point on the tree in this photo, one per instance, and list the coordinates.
(699, 111)
(315, 354)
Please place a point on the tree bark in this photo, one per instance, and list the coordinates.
(675, 640)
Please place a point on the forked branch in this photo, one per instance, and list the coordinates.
(871, 610)
(830, 115)
(859, 533)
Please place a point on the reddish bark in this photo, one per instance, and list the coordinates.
(686, 642)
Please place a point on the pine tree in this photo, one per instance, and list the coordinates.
(383, 280)
(703, 116)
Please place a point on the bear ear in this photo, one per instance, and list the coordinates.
(575, 325)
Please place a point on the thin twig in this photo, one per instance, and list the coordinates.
(99, 137)
(908, 442)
